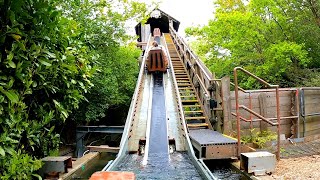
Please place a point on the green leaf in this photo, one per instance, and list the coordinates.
(44, 62)
(10, 56)
(1, 98)
(1, 110)
(12, 16)
(12, 64)
(10, 83)
(21, 45)
(12, 95)
(2, 152)
(34, 84)
(37, 176)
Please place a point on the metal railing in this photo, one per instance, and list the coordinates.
(207, 87)
(199, 164)
(249, 110)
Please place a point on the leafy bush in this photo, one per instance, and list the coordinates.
(259, 138)
(47, 62)
(44, 75)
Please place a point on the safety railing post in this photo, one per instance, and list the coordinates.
(237, 111)
(268, 120)
(278, 120)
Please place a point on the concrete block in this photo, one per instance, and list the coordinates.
(258, 163)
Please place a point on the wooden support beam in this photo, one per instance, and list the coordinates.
(226, 103)
(263, 110)
(104, 148)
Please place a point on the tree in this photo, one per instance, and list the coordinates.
(269, 38)
(103, 31)
(51, 52)
(44, 75)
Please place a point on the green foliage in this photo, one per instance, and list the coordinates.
(259, 138)
(51, 53)
(114, 85)
(21, 166)
(275, 40)
(41, 82)
(117, 67)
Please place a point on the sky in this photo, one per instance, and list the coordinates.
(188, 12)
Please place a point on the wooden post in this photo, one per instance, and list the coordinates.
(263, 110)
(226, 104)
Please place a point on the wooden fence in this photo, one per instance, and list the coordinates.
(292, 102)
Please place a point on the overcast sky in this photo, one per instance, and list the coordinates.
(188, 12)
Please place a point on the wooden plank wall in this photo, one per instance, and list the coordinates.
(312, 105)
(264, 103)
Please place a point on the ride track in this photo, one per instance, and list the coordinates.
(151, 124)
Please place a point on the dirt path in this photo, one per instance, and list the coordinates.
(307, 167)
(299, 162)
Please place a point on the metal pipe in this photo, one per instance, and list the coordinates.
(310, 88)
(257, 120)
(250, 106)
(256, 77)
(312, 114)
(238, 87)
(254, 113)
(298, 113)
(302, 110)
(278, 119)
(237, 110)
(258, 115)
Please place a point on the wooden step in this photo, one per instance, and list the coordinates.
(190, 112)
(183, 82)
(179, 80)
(195, 118)
(190, 101)
(179, 71)
(189, 106)
(182, 79)
(184, 88)
(197, 125)
(184, 85)
(188, 96)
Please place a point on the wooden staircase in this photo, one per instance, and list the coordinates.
(193, 112)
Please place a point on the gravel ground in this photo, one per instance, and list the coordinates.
(307, 167)
(298, 162)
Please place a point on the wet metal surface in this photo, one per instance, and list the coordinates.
(207, 136)
(140, 119)
(161, 166)
(158, 131)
